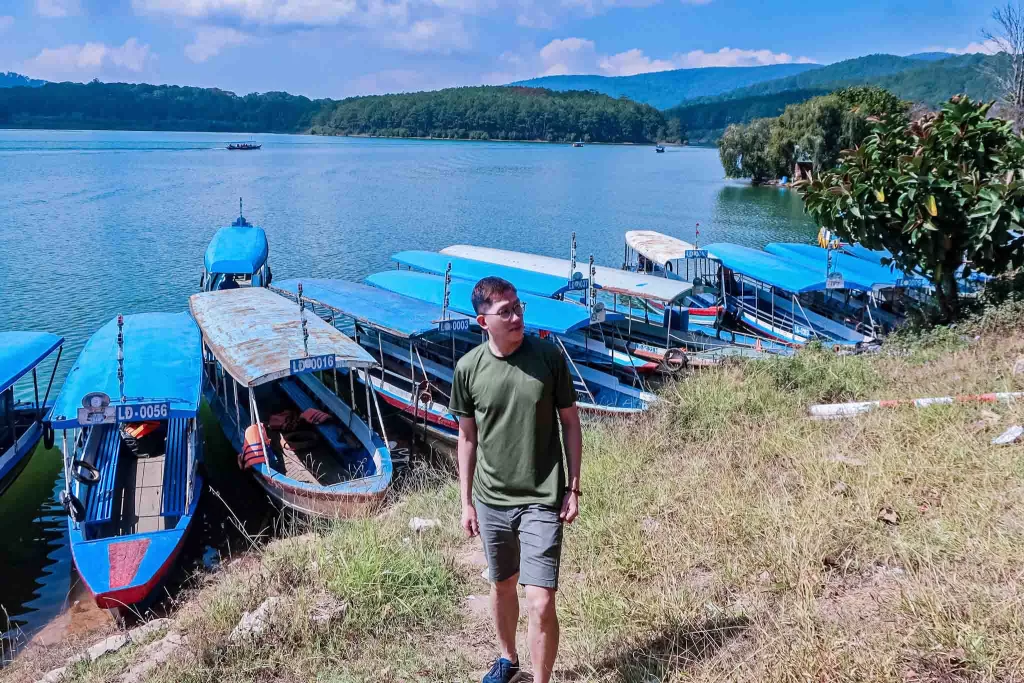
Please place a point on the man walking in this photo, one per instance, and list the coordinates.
(510, 394)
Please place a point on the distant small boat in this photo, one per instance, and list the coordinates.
(659, 149)
(241, 146)
(578, 143)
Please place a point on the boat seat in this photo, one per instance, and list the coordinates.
(175, 468)
(332, 433)
(108, 455)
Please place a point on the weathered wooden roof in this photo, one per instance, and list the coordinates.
(657, 247)
(255, 334)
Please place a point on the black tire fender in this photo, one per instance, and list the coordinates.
(84, 473)
(675, 360)
(48, 435)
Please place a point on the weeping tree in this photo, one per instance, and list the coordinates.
(940, 192)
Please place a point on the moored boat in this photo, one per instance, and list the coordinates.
(415, 355)
(22, 424)
(597, 392)
(237, 256)
(132, 444)
(773, 296)
(268, 371)
(243, 146)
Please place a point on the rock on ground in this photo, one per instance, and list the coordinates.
(254, 624)
(419, 524)
(152, 656)
(53, 676)
(1012, 435)
(141, 632)
(108, 645)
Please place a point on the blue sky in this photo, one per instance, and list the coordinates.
(337, 48)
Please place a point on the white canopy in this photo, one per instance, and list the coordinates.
(656, 247)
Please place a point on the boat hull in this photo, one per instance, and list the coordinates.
(126, 572)
(14, 460)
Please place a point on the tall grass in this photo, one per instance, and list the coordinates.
(723, 537)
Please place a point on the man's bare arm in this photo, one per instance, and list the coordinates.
(467, 467)
(572, 439)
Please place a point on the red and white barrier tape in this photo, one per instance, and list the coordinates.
(830, 411)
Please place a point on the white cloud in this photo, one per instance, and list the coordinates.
(432, 35)
(566, 56)
(210, 40)
(310, 12)
(988, 47)
(580, 56)
(632, 62)
(728, 56)
(598, 6)
(396, 80)
(89, 60)
(6, 22)
(57, 9)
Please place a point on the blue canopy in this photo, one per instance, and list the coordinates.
(162, 362)
(769, 268)
(395, 314)
(22, 351)
(551, 315)
(531, 282)
(872, 255)
(237, 250)
(857, 273)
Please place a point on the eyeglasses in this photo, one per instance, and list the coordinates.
(518, 309)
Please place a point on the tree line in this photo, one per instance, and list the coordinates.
(815, 132)
(498, 113)
(492, 112)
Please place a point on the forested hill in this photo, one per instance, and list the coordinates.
(929, 81)
(663, 89)
(492, 112)
(497, 113)
(153, 107)
(13, 80)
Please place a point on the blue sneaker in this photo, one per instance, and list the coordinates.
(503, 671)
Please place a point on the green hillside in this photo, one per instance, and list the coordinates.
(925, 81)
(496, 113)
(663, 89)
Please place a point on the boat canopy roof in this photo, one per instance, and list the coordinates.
(399, 315)
(22, 351)
(529, 281)
(657, 247)
(551, 315)
(873, 255)
(255, 334)
(774, 270)
(237, 250)
(162, 362)
(612, 280)
(865, 274)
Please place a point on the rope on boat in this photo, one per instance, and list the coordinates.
(834, 411)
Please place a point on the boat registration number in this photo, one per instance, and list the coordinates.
(141, 412)
(297, 366)
(456, 325)
(648, 348)
(578, 284)
(696, 253)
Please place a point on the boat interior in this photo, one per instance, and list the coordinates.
(321, 454)
(143, 483)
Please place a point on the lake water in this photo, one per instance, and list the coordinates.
(97, 223)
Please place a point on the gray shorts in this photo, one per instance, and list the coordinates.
(526, 540)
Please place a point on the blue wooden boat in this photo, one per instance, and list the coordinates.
(21, 419)
(775, 296)
(236, 257)
(660, 324)
(589, 343)
(266, 360)
(131, 499)
(597, 392)
(415, 358)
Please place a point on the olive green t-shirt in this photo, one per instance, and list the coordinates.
(514, 401)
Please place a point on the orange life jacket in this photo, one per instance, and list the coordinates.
(256, 441)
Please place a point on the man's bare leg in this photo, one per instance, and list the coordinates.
(543, 633)
(505, 608)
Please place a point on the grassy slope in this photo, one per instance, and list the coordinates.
(723, 537)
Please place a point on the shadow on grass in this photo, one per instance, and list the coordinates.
(672, 648)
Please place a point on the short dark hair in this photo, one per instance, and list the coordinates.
(488, 288)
